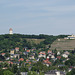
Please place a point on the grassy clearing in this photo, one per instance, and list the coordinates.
(36, 41)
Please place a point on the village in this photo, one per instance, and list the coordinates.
(51, 58)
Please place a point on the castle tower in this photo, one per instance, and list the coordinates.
(10, 31)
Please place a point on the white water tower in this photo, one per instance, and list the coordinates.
(10, 31)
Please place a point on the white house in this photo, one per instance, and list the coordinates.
(65, 55)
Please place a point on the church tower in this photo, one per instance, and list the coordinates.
(10, 31)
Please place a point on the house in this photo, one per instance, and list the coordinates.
(3, 54)
(49, 51)
(21, 59)
(58, 57)
(28, 51)
(12, 51)
(1, 61)
(4, 68)
(31, 57)
(9, 62)
(30, 63)
(52, 56)
(47, 62)
(15, 55)
(27, 60)
(25, 48)
(7, 58)
(47, 58)
(17, 49)
(58, 53)
(65, 55)
(55, 72)
(42, 54)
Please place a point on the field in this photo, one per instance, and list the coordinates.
(36, 41)
(63, 44)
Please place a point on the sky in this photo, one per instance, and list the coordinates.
(51, 17)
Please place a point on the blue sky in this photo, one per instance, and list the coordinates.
(52, 17)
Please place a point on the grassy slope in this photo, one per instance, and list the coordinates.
(37, 41)
(63, 44)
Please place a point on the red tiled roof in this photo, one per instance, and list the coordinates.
(28, 51)
(9, 62)
(1, 61)
(49, 51)
(2, 53)
(29, 62)
(46, 61)
(59, 57)
(21, 59)
(17, 48)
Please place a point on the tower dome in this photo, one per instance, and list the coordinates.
(10, 31)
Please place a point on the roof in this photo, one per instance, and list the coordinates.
(21, 59)
(2, 53)
(49, 51)
(1, 61)
(17, 48)
(59, 57)
(10, 29)
(9, 62)
(43, 53)
(47, 61)
(28, 51)
(27, 60)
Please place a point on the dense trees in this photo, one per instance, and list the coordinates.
(70, 62)
(7, 72)
(39, 67)
(71, 72)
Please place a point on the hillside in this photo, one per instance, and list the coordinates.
(36, 41)
(63, 44)
(8, 42)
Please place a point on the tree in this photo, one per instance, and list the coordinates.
(14, 68)
(71, 72)
(24, 69)
(7, 72)
(1, 72)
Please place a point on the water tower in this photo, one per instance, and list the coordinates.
(10, 31)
